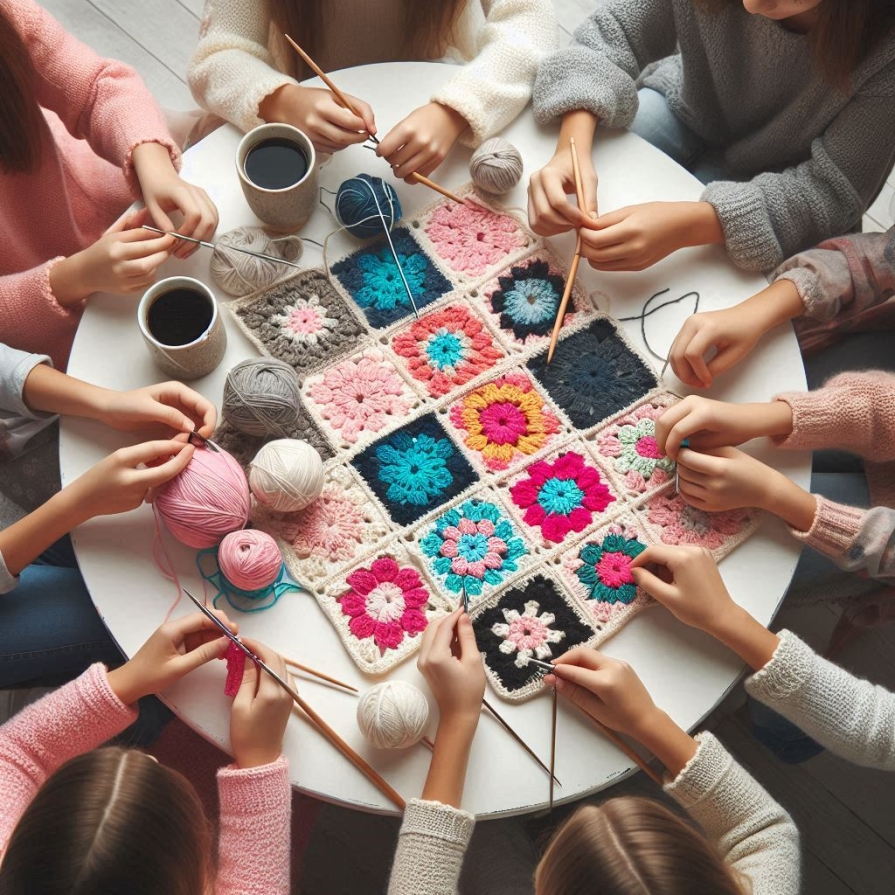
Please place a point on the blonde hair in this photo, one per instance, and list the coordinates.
(633, 846)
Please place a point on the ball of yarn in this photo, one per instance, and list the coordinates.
(208, 500)
(250, 559)
(496, 166)
(286, 475)
(393, 715)
(261, 397)
(239, 274)
(356, 207)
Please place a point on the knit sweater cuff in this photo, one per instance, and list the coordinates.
(14, 401)
(811, 421)
(463, 101)
(111, 714)
(786, 672)
(130, 174)
(834, 529)
(807, 283)
(254, 791)
(440, 821)
(66, 314)
(702, 773)
(748, 235)
(8, 581)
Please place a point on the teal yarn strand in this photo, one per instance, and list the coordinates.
(356, 206)
(238, 599)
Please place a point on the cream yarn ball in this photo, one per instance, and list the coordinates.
(286, 475)
(393, 715)
(239, 274)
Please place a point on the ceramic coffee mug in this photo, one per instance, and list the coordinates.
(181, 324)
(283, 196)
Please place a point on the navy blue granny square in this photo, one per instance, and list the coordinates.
(527, 297)
(371, 277)
(415, 469)
(531, 621)
(593, 374)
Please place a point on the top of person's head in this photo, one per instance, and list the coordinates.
(110, 821)
(633, 846)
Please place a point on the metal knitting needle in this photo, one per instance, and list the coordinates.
(685, 443)
(552, 750)
(548, 665)
(207, 442)
(517, 738)
(214, 247)
(465, 598)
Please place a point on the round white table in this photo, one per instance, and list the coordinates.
(687, 672)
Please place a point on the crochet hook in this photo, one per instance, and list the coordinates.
(202, 440)
(685, 443)
(552, 749)
(214, 247)
(517, 738)
(345, 103)
(573, 269)
(315, 719)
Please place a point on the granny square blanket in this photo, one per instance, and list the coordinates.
(457, 458)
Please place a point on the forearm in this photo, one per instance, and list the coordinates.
(778, 303)
(785, 499)
(699, 225)
(49, 391)
(673, 746)
(748, 638)
(581, 125)
(447, 770)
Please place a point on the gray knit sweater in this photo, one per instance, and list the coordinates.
(816, 157)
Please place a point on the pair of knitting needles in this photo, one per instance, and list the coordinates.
(573, 270)
(346, 104)
(214, 247)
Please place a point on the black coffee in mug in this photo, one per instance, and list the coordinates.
(179, 317)
(275, 164)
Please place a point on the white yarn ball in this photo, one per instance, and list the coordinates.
(286, 475)
(393, 715)
(239, 274)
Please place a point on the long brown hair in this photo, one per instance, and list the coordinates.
(845, 34)
(106, 822)
(428, 26)
(20, 116)
(632, 846)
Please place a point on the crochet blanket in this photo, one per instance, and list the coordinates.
(455, 456)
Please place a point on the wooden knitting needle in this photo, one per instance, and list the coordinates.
(517, 738)
(573, 270)
(346, 104)
(211, 245)
(552, 750)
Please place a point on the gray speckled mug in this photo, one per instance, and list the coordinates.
(181, 324)
(285, 209)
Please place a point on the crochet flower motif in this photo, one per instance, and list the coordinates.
(332, 527)
(382, 286)
(561, 496)
(446, 349)
(473, 545)
(527, 634)
(471, 238)
(527, 299)
(305, 320)
(361, 394)
(606, 569)
(415, 468)
(504, 419)
(633, 446)
(386, 602)
(685, 524)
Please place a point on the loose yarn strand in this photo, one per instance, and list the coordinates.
(167, 568)
(647, 311)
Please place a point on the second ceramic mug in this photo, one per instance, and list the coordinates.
(280, 193)
(181, 324)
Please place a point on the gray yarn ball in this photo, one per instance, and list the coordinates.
(239, 274)
(496, 166)
(261, 397)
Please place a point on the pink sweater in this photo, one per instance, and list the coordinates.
(853, 412)
(97, 111)
(253, 850)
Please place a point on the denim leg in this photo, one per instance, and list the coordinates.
(657, 124)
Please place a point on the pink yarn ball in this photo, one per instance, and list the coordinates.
(208, 500)
(250, 560)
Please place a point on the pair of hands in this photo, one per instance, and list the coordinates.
(261, 708)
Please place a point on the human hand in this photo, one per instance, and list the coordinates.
(164, 190)
(721, 479)
(420, 143)
(170, 404)
(451, 663)
(549, 211)
(260, 711)
(172, 651)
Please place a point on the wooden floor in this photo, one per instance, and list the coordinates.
(846, 814)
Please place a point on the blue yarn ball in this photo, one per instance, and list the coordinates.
(356, 208)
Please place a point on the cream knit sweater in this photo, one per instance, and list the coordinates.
(750, 830)
(501, 43)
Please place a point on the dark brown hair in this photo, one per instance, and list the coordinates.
(107, 822)
(845, 34)
(633, 846)
(20, 117)
(428, 26)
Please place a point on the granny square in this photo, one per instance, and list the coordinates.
(371, 277)
(594, 374)
(415, 469)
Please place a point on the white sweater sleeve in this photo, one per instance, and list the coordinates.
(232, 69)
(752, 832)
(847, 715)
(492, 88)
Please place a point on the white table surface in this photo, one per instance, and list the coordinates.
(686, 671)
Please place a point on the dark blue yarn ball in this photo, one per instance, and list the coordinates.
(356, 208)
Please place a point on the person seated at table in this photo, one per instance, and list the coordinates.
(114, 820)
(785, 110)
(836, 293)
(749, 843)
(80, 139)
(849, 716)
(245, 72)
(49, 627)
